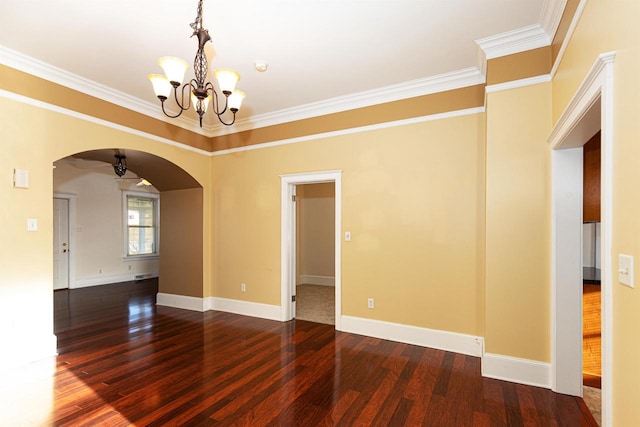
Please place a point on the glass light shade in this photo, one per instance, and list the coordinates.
(205, 102)
(161, 85)
(227, 79)
(174, 68)
(235, 100)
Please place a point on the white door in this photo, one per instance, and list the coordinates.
(60, 243)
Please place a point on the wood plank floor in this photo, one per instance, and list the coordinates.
(125, 361)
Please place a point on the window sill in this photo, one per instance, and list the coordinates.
(140, 257)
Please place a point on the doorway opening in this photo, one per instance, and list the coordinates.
(117, 222)
(291, 262)
(315, 252)
(591, 277)
(590, 110)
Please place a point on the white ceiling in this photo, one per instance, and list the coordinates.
(317, 50)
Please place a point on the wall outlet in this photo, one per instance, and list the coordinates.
(243, 287)
(32, 224)
(370, 303)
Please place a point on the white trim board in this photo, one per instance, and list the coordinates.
(597, 85)
(424, 337)
(288, 185)
(496, 366)
(513, 369)
(385, 125)
(182, 301)
(108, 280)
(56, 109)
(245, 308)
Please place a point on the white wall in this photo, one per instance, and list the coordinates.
(96, 228)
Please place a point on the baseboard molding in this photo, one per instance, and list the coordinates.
(513, 369)
(107, 280)
(442, 340)
(307, 279)
(246, 308)
(183, 302)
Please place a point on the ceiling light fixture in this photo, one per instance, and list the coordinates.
(120, 168)
(200, 90)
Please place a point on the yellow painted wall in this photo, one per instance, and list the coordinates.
(33, 138)
(613, 26)
(518, 223)
(412, 199)
(181, 242)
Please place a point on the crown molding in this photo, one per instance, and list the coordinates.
(420, 87)
(550, 16)
(92, 119)
(508, 43)
(350, 131)
(520, 40)
(35, 67)
(515, 84)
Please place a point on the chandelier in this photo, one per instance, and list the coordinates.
(119, 167)
(197, 91)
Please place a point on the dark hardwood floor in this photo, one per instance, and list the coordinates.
(124, 361)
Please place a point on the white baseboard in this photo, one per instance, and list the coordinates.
(496, 366)
(107, 280)
(183, 302)
(246, 308)
(316, 280)
(513, 369)
(442, 340)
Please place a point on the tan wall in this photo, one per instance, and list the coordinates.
(181, 242)
(412, 198)
(33, 138)
(613, 26)
(316, 230)
(518, 225)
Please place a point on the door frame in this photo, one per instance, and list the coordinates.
(570, 132)
(288, 238)
(71, 199)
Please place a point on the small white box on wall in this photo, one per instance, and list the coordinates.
(21, 178)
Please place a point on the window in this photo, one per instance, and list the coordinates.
(141, 224)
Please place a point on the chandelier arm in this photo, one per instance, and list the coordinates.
(224, 110)
(181, 103)
(225, 123)
(169, 115)
(214, 95)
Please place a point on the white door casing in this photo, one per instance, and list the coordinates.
(288, 238)
(592, 101)
(60, 243)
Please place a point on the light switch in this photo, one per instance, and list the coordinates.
(347, 236)
(625, 270)
(32, 224)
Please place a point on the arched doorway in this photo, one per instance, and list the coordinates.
(98, 249)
